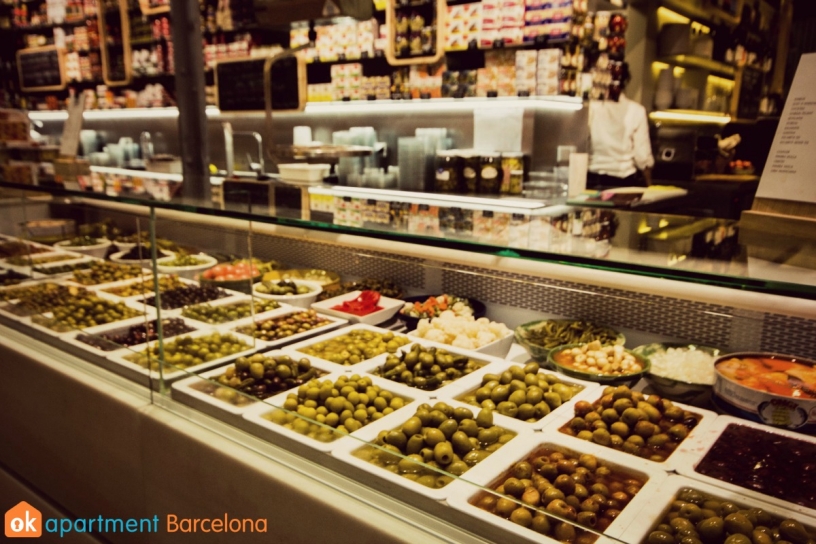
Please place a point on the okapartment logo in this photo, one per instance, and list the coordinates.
(23, 521)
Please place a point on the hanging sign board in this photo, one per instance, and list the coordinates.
(72, 128)
(41, 69)
(241, 84)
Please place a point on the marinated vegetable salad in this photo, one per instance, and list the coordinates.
(461, 331)
(434, 306)
(366, 303)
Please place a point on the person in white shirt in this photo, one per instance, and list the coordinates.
(621, 151)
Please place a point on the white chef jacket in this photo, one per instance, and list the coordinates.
(619, 133)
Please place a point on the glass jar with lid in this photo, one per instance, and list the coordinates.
(448, 172)
(490, 177)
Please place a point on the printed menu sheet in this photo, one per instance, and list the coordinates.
(790, 173)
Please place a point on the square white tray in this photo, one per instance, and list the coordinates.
(345, 447)
(146, 273)
(134, 372)
(185, 391)
(495, 466)
(390, 307)
(345, 330)
(651, 514)
(693, 452)
(175, 312)
(61, 275)
(333, 323)
(28, 321)
(499, 348)
(103, 289)
(270, 431)
(281, 309)
(672, 462)
(26, 269)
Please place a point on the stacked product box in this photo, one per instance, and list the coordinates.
(348, 40)
(498, 75)
(548, 70)
(526, 71)
(378, 87)
(551, 19)
(426, 80)
(347, 81)
(502, 22)
(463, 26)
(459, 84)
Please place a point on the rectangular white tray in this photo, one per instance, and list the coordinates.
(495, 466)
(345, 330)
(146, 273)
(390, 306)
(281, 309)
(651, 514)
(693, 452)
(175, 312)
(134, 372)
(185, 391)
(29, 321)
(61, 275)
(345, 447)
(673, 461)
(103, 289)
(270, 431)
(333, 323)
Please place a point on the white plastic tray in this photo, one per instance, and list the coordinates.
(103, 289)
(345, 447)
(693, 452)
(26, 269)
(390, 307)
(495, 466)
(28, 321)
(651, 514)
(345, 330)
(672, 462)
(333, 323)
(175, 312)
(282, 309)
(185, 391)
(270, 431)
(134, 372)
(146, 273)
(61, 275)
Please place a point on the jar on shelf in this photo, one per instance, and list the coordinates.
(490, 178)
(471, 169)
(448, 172)
(511, 162)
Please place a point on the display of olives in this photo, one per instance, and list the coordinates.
(356, 346)
(84, 241)
(143, 252)
(161, 243)
(576, 487)
(184, 260)
(82, 313)
(386, 288)
(43, 298)
(278, 328)
(282, 288)
(12, 278)
(522, 392)
(259, 376)
(629, 421)
(329, 410)
(695, 516)
(141, 287)
(26, 260)
(441, 438)
(186, 351)
(135, 334)
(16, 249)
(31, 291)
(62, 269)
(216, 315)
(427, 368)
(187, 296)
(104, 272)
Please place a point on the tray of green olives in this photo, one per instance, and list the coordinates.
(328, 409)
(62, 269)
(227, 392)
(112, 337)
(587, 485)
(644, 426)
(353, 345)
(87, 315)
(683, 507)
(523, 392)
(184, 355)
(136, 288)
(426, 448)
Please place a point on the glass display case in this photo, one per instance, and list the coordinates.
(247, 331)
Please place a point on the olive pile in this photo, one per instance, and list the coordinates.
(143, 252)
(442, 438)
(142, 287)
(84, 241)
(386, 288)
(260, 376)
(225, 313)
(341, 407)
(81, 313)
(282, 288)
(184, 260)
(356, 346)
(12, 278)
(285, 326)
(575, 487)
(186, 351)
(698, 517)
(62, 269)
(187, 296)
(135, 334)
(629, 421)
(25, 260)
(522, 392)
(161, 243)
(43, 297)
(16, 249)
(105, 272)
(426, 368)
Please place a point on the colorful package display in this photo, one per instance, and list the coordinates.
(463, 25)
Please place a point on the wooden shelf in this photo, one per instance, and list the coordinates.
(730, 178)
(701, 63)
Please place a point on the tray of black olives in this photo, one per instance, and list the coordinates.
(327, 409)
(587, 486)
(688, 510)
(124, 334)
(227, 392)
(426, 448)
(174, 300)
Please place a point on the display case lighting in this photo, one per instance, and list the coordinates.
(128, 113)
(556, 103)
(690, 117)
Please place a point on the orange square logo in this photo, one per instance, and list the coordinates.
(23, 521)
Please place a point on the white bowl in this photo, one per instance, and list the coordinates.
(301, 301)
(188, 272)
(124, 246)
(98, 250)
(390, 306)
(117, 257)
(498, 348)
